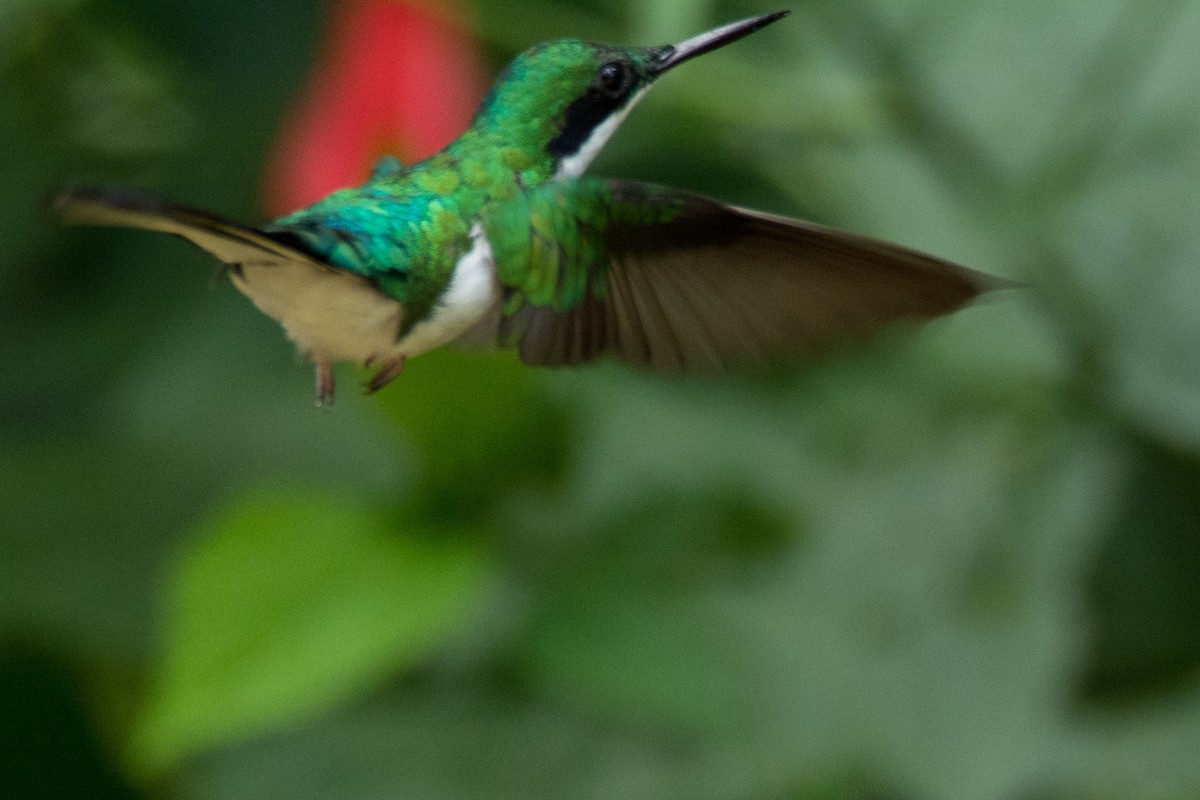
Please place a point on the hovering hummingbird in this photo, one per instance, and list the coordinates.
(501, 238)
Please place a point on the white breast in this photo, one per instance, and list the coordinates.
(473, 291)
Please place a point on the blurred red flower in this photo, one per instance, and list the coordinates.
(400, 77)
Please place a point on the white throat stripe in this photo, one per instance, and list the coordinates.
(576, 164)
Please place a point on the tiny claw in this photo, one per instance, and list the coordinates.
(324, 378)
(390, 371)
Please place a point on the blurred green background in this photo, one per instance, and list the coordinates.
(956, 564)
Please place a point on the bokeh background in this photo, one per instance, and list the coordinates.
(956, 563)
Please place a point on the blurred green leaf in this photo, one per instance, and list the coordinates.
(452, 742)
(617, 630)
(96, 87)
(639, 657)
(287, 605)
(480, 424)
(1140, 751)
(50, 748)
(1145, 598)
(84, 528)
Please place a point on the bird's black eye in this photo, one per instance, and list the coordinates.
(613, 79)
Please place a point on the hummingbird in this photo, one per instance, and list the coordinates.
(502, 238)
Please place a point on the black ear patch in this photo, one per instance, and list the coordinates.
(609, 91)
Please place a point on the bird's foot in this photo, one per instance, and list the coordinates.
(388, 373)
(324, 378)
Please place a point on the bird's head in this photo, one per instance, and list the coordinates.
(562, 100)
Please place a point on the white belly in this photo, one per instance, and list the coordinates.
(334, 315)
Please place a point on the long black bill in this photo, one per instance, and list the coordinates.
(674, 55)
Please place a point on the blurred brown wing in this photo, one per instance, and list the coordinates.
(693, 284)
